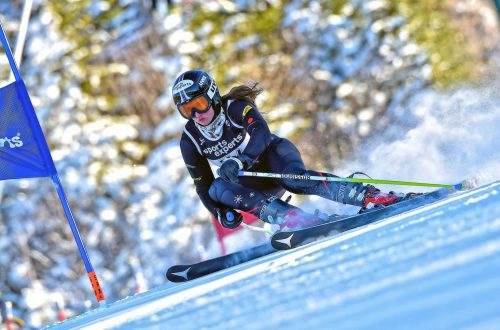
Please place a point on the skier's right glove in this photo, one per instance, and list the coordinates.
(229, 218)
(230, 168)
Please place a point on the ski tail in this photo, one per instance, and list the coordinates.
(183, 273)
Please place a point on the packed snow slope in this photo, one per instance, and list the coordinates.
(435, 267)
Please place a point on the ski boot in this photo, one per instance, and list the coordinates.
(374, 198)
(288, 217)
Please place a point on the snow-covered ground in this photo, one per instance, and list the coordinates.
(432, 268)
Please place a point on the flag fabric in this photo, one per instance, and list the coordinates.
(23, 150)
(222, 232)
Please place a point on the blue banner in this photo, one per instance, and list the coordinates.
(23, 150)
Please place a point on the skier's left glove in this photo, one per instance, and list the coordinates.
(229, 218)
(230, 168)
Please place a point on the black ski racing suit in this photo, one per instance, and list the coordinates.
(242, 132)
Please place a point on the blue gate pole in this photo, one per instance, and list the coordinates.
(74, 229)
(49, 162)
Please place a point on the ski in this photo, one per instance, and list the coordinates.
(286, 240)
(183, 273)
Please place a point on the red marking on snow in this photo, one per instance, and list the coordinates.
(61, 315)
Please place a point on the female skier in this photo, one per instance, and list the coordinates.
(230, 132)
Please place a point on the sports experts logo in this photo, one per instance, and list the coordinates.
(13, 142)
(224, 147)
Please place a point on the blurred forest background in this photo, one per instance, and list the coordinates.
(335, 73)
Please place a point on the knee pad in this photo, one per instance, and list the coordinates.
(216, 189)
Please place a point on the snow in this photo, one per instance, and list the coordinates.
(431, 268)
(136, 220)
(456, 141)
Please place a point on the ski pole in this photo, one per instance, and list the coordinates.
(459, 186)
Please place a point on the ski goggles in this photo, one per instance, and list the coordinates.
(199, 104)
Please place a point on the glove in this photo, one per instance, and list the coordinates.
(229, 218)
(230, 168)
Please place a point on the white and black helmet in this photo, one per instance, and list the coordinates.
(192, 84)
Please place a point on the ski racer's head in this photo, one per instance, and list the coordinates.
(197, 96)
